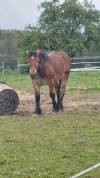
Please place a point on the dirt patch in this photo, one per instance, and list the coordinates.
(80, 101)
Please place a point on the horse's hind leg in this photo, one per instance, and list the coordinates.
(60, 95)
(62, 92)
(58, 86)
(52, 87)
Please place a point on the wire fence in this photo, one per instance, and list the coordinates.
(11, 67)
(85, 63)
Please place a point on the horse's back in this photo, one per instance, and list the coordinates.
(60, 61)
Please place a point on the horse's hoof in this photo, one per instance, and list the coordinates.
(55, 110)
(60, 110)
(37, 112)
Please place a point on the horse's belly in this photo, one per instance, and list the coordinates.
(43, 82)
(47, 81)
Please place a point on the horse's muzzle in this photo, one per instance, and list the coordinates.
(34, 77)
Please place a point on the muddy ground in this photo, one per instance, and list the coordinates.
(79, 101)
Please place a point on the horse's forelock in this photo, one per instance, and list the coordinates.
(32, 54)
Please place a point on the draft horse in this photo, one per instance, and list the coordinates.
(50, 69)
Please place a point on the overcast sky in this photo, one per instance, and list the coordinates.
(16, 14)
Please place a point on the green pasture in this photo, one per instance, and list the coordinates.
(51, 146)
(77, 81)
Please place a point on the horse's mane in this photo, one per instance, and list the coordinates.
(43, 58)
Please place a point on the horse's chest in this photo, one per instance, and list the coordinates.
(43, 81)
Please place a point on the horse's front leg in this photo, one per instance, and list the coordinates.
(52, 87)
(37, 108)
(37, 98)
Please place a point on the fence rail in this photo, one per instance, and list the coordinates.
(86, 69)
(77, 64)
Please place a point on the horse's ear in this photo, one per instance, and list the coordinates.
(38, 51)
(26, 53)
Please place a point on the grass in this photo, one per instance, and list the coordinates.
(77, 81)
(22, 82)
(50, 146)
(84, 81)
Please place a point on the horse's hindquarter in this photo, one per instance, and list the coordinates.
(60, 64)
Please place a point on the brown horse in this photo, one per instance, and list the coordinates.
(50, 69)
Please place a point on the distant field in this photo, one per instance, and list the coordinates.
(77, 81)
(52, 145)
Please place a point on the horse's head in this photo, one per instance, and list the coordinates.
(33, 62)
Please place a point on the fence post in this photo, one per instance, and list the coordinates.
(3, 70)
(18, 68)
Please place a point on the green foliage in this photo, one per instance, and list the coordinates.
(8, 44)
(29, 40)
(68, 25)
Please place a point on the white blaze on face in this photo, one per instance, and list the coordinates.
(33, 71)
(30, 71)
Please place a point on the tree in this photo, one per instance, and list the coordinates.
(70, 25)
(28, 39)
(50, 24)
(8, 44)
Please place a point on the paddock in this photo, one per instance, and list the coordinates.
(73, 101)
(52, 145)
